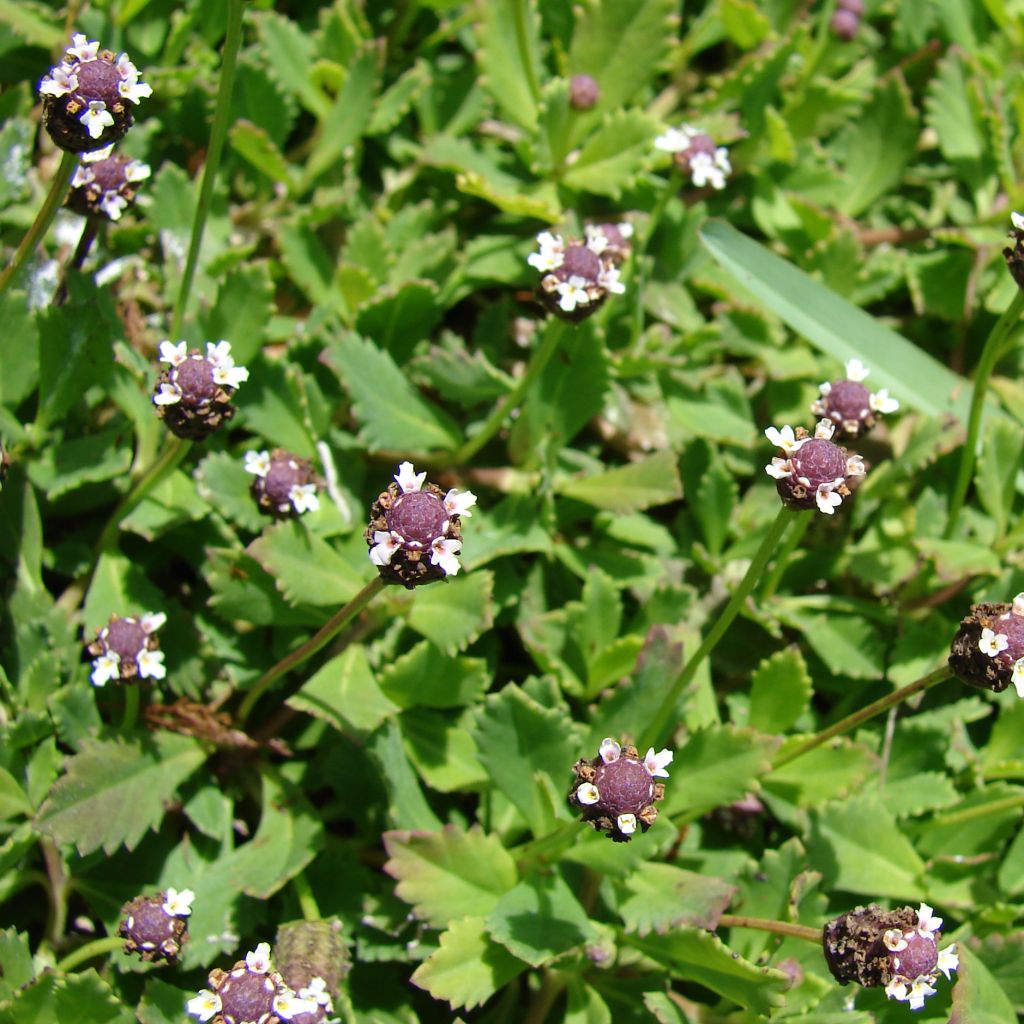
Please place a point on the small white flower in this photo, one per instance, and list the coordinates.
(609, 750)
(113, 204)
(927, 922)
(572, 293)
(1018, 605)
(780, 469)
(137, 171)
(784, 439)
(894, 941)
(219, 354)
(316, 990)
(588, 793)
(827, 498)
(1017, 221)
(825, 389)
(1018, 677)
(205, 1005)
(408, 479)
(303, 497)
(134, 91)
(98, 154)
(178, 904)
(151, 664)
(384, 546)
(59, 82)
(656, 763)
(152, 621)
(824, 429)
(82, 49)
(173, 354)
(257, 463)
(609, 280)
(856, 370)
(919, 991)
(881, 402)
(626, 823)
(258, 961)
(597, 241)
(105, 668)
(230, 376)
(675, 140)
(169, 394)
(708, 169)
(992, 643)
(442, 554)
(551, 254)
(97, 118)
(458, 503)
(83, 176)
(855, 466)
(948, 960)
(288, 1005)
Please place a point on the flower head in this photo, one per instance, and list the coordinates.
(251, 991)
(104, 185)
(414, 535)
(285, 485)
(584, 92)
(127, 649)
(695, 153)
(988, 649)
(850, 405)
(812, 472)
(193, 396)
(612, 241)
(577, 276)
(156, 927)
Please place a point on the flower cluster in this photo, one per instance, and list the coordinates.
(578, 276)
(988, 649)
(87, 97)
(414, 533)
(126, 648)
(846, 19)
(156, 927)
(104, 184)
(894, 949)
(849, 405)
(252, 991)
(616, 791)
(696, 154)
(285, 484)
(193, 396)
(812, 471)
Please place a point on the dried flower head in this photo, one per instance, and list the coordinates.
(611, 241)
(812, 471)
(584, 92)
(894, 949)
(104, 184)
(414, 533)
(1015, 256)
(696, 154)
(616, 791)
(193, 395)
(88, 97)
(988, 649)
(577, 276)
(127, 648)
(285, 484)
(849, 404)
(313, 961)
(156, 927)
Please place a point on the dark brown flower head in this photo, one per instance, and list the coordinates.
(414, 534)
(156, 927)
(88, 97)
(127, 648)
(584, 92)
(850, 405)
(193, 395)
(313, 960)
(578, 276)
(812, 472)
(616, 791)
(104, 184)
(894, 949)
(285, 484)
(988, 649)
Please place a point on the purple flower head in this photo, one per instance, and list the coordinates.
(127, 649)
(156, 927)
(988, 649)
(285, 485)
(850, 405)
(812, 472)
(577, 276)
(104, 185)
(696, 154)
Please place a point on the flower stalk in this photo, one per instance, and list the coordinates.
(91, 950)
(762, 924)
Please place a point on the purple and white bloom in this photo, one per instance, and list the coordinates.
(609, 750)
(193, 396)
(59, 82)
(408, 479)
(988, 649)
(104, 183)
(656, 763)
(127, 648)
(695, 152)
(610, 240)
(577, 277)
(550, 255)
(204, 1006)
(156, 927)
(850, 405)
(992, 643)
(285, 485)
(812, 472)
(258, 960)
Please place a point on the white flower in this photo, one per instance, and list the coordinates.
(827, 498)
(894, 941)
(173, 354)
(316, 991)
(230, 376)
(825, 389)
(59, 82)
(855, 466)
(287, 1005)
(784, 439)
(991, 643)
(1018, 677)
(856, 370)
(205, 1005)
(258, 961)
(551, 253)
(384, 546)
(1017, 221)
(948, 960)
(706, 169)
(105, 668)
(573, 293)
(83, 176)
(588, 793)
(178, 904)
(151, 664)
(303, 497)
(98, 154)
(656, 763)
(609, 750)
(675, 140)
(1018, 605)
(408, 479)
(442, 554)
(82, 49)
(597, 241)
(458, 503)
(219, 354)
(608, 279)
(134, 91)
(257, 463)
(169, 394)
(626, 823)
(113, 204)
(927, 922)
(137, 171)
(97, 118)
(152, 621)
(824, 430)
(881, 402)
(780, 469)
(913, 994)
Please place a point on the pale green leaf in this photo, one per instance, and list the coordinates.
(453, 613)
(780, 691)
(509, 56)
(977, 997)
(613, 157)
(653, 480)
(662, 897)
(425, 676)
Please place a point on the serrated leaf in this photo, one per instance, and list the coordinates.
(34, 22)
(449, 874)
(16, 967)
(244, 306)
(289, 51)
(161, 1003)
(393, 104)
(254, 144)
(637, 486)
(780, 691)
(115, 791)
(613, 157)
(662, 897)
(63, 468)
(717, 493)
(468, 967)
(977, 997)
(398, 317)
(454, 613)
(425, 676)
(996, 472)
(509, 56)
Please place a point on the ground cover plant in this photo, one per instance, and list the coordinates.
(509, 511)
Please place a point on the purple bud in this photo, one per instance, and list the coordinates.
(584, 92)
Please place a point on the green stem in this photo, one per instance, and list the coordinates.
(98, 947)
(990, 354)
(763, 924)
(131, 707)
(852, 721)
(44, 218)
(789, 545)
(307, 901)
(657, 729)
(320, 639)
(551, 986)
(961, 817)
(553, 337)
(218, 135)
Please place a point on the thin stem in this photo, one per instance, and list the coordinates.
(98, 947)
(551, 986)
(85, 240)
(44, 218)
(788, 546)
(852, 721)
(131, 708)
(990, 354)
(553, 337)
(967, 814)
(218, 135)
(57, 888)
(763, 924)
(776, 532)
(307, 901)
(334, 625)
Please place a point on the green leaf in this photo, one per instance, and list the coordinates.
(244, 306)
(399, 317)
(977, 997)
(849, 646)
(310, 265)
(391, 412)
(744, 23)
(442, 749)
(16, 967)
(717, 494)
(996, 475)
(407, 806)
(449, 874)
(71, 464)
(780, 691)
(453, 613)
(289, 52)
(14, 801)
(425, 676)
(222, 481)
(615, 155)
(837, 327)
(662, 897)
(393, 104)
(639, 485)
(114, 791)
(956, 559)
(468, 967)
(161, 1002)
(254, 144)
(34, 22)
(19, 343)
(509, 56)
